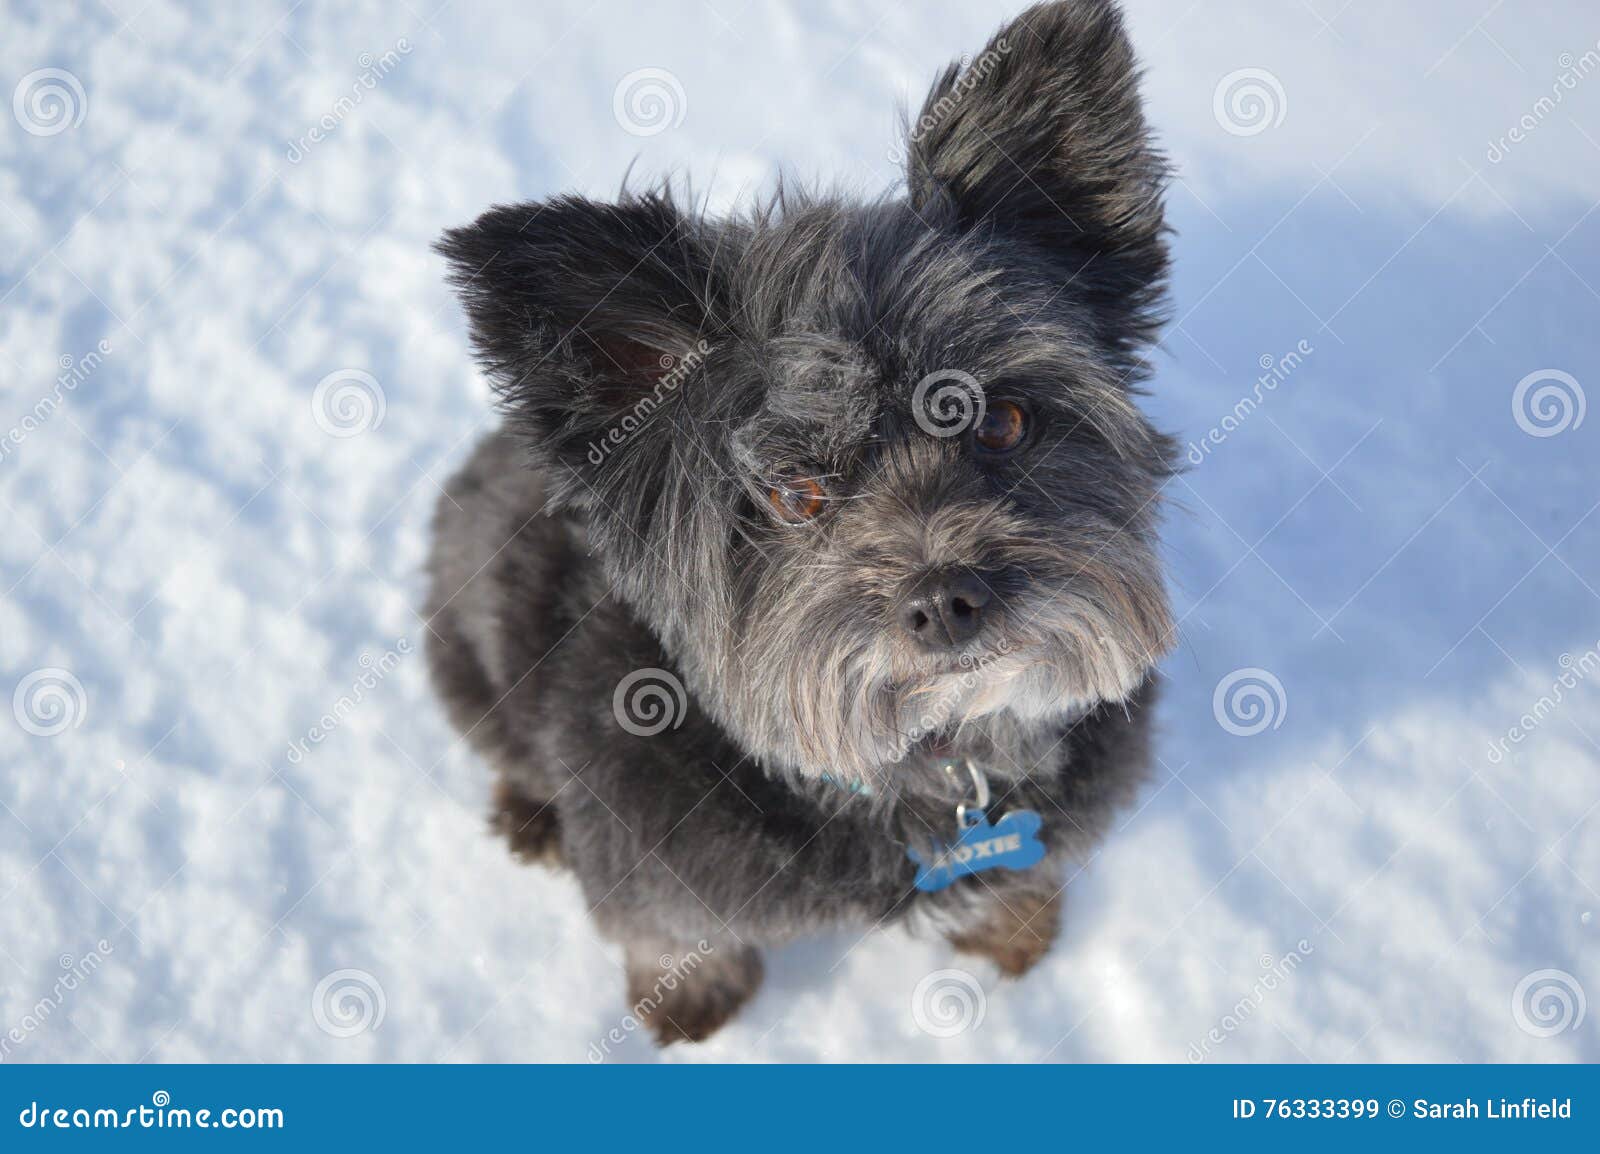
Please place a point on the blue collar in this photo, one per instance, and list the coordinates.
(951, 766)
(852, 786)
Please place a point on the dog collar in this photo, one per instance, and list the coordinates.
(853, 786)
(953, 769)
(1011, 843)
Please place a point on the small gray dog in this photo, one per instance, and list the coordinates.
(817, 536)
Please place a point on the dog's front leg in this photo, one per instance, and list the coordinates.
(1014, 928)
(685, 993)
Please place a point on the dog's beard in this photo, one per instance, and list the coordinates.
(857, 706)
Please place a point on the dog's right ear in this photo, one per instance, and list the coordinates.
(579, 312)
(1041, 138)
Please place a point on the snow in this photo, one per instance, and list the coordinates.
(208, 570)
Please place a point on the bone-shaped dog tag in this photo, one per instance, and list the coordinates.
(1011, 843)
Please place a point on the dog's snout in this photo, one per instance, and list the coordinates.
(945, 609)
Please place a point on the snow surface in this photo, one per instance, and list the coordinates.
(215, 570)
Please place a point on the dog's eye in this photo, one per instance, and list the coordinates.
(797, 499)
(1002, 429)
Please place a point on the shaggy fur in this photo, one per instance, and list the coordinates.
(720, 721)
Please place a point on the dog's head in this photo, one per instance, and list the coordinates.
(870, 471)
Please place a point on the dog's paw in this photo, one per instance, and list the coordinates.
(532, 828)
(687, 996)
(1015, 934)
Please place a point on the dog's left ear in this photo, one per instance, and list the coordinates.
(580, 311)
(1042, 136)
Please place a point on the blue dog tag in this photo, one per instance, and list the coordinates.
(1011, 843)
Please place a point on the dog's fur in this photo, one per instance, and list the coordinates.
(661, 372)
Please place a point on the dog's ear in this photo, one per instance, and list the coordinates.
(586, 317)
(1042, 135)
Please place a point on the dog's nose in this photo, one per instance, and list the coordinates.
(945, 609)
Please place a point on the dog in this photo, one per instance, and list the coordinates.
(812, 578)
